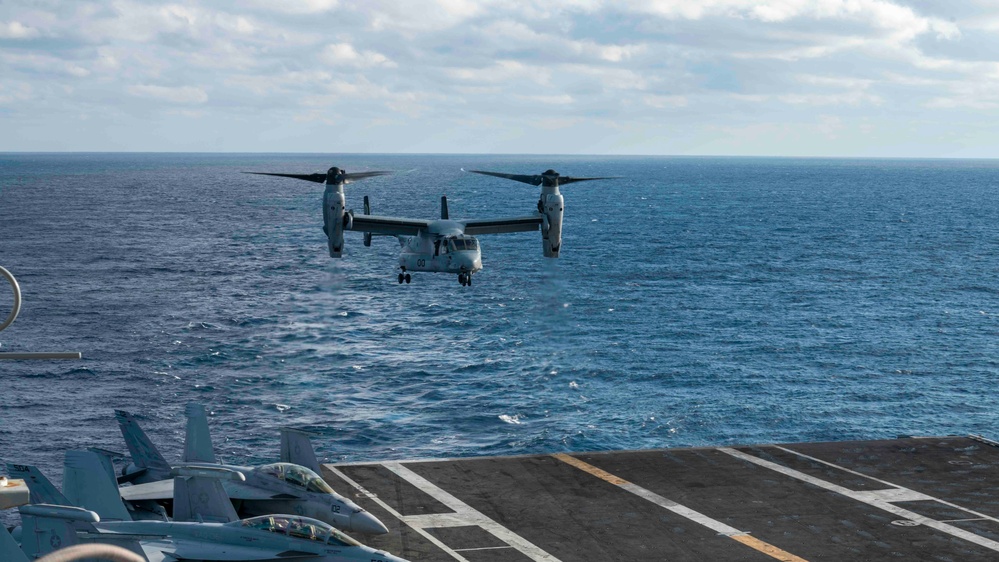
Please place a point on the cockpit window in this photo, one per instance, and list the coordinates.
(460, 244)
(339, 539)
(297, 476)
(298, 527)
(319, 486)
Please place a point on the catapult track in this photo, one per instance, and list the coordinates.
(925, 498)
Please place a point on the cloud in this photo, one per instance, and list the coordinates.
(17, 30)
(699, 67)
(344, 54)
(177, 94)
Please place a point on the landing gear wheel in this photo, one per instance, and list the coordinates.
(461, 279)
(469, 280)
(401, 278)
(408, 278)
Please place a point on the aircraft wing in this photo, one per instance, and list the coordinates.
(502, 226)
(163, 490)
(392, 226)
(182, 549)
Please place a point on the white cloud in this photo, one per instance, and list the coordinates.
(344, 54)
(297, 6)
(17, 30)
(176, 94)
(665, 102)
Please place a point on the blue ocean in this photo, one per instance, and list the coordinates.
(698, 301)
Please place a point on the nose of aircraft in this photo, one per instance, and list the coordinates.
(364, 522)
(469, 261)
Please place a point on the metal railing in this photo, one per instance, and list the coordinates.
(13, 316)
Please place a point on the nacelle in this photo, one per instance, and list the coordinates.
(551, 206)
(334, 219)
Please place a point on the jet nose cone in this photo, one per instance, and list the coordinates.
(364, 522)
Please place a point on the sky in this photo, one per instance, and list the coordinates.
(858, 78)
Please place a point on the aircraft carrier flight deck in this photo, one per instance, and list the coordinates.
(911, 498)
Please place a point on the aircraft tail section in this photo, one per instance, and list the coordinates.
(47, 528)
(9, 551)
(297, 448)
(144, 453)
(40, 488)
(198, 445)
(88, 485)
(201, 498)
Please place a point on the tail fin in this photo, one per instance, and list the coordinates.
(47, 528)
(198, 445)
(444, 213)
(9, 551)
(107, 460)
(144, 453)
(40, 488)
(87, 484)
(198, 495)
(297, 448)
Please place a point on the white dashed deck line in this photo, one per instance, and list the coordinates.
(896, 486)
(436, 542)
(869, 499)
(465, 515)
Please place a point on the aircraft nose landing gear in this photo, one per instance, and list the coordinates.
(404, 277)
(465, 279)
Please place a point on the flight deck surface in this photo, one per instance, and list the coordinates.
(923, 498)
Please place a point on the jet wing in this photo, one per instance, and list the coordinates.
(392, 226)
(502, 226)
(175, 549)
(163, 490)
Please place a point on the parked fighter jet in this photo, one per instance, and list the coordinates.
(282, 487)
(205, 526)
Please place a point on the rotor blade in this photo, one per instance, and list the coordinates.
(532, 180)
(318, 178)
(562, 180)
(361, 175)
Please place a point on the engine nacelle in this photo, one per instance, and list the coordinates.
(334, 219)
(551, 206)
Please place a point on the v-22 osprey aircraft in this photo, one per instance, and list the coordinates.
(444, 245)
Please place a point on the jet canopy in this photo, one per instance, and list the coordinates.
(297, 476)
(298, 527)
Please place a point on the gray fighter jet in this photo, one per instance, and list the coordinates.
(205, 526)
(282, 487)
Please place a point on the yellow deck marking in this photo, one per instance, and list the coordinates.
(697, 517)
(767, 548)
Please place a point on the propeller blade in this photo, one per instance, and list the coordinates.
(361, 175)
(562, 180)
(318, 178)
(532, 180)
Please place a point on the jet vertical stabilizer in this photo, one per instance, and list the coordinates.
(86, 483)
(198, 445)
(297, 448)
(41, 490)
(145, 456)
(198, 495)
